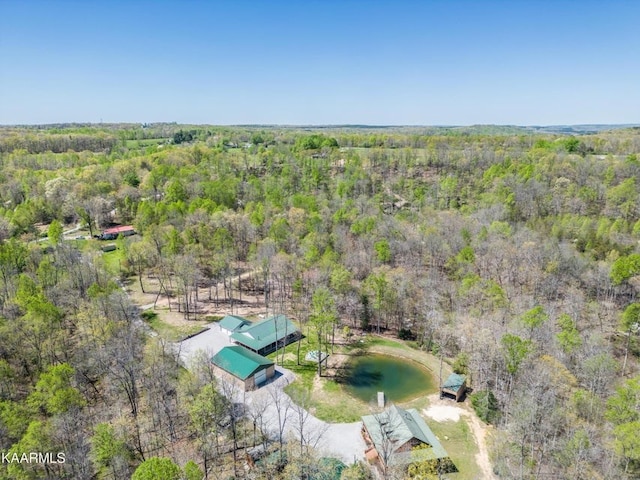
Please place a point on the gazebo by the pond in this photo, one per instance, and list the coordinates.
(316, 356)
(454, 386)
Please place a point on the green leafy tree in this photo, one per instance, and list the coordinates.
(569, 336)
(15, 418)
(54, 393)
(461, 364)
(515, 350)
(622, 406)
(207, 413)
(323, 316)
(448, 192)
(378, 285)
(624, 268)
(315, 142)
(486, 406)
(192, 471)
(383, 251)
(623, 412)
(13, 261)
(631, 325)
(624, 198)
(157, 468)
(37, 438)
(340, 280)
(572, 144)
(139, 257)
(87, 219)
(40, 323)
(356, 471)
(131, 178)
(573, 457)
(55, 232)
(108, 452)
(466, 255)
(627, 442)
(534, 318)
(176, 192)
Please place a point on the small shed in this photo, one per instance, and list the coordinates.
(455, 386)
(248, 367)
(232, 323)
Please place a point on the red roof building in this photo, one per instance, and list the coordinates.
(118, 230)
(112, 233)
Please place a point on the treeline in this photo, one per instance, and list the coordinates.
(57, 143)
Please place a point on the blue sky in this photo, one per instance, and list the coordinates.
(320, 62)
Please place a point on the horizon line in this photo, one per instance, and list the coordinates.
(320, 125)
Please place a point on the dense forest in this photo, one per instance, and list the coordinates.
(514, 253)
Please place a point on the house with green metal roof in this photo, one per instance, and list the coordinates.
(246, 366)
(267, 335)
(455, 385)
(232, 323)
(392, 438)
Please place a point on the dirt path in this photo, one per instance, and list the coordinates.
(482, 457)
(443, 411)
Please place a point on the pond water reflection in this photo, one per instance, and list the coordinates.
(399, 379)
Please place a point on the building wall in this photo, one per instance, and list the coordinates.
(250, 383)
(457, 395)
(226, 375)
(283, 342)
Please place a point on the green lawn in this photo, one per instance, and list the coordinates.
(457, 439)
(113, 261)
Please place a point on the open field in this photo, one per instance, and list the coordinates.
(147, 142)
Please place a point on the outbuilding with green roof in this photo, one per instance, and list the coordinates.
(233, 323)
(244, 365)
(454, 386)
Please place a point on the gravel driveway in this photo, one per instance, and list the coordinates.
(339, 440)
(211, 342)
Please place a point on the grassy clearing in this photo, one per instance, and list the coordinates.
(324, 396)
(113, 261)
(171, 333)
(457, 439)
(147, 142)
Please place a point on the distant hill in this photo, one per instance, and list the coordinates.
(166, 129)
(488, 129)
(582, 129)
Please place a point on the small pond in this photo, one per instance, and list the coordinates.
(399, 379)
